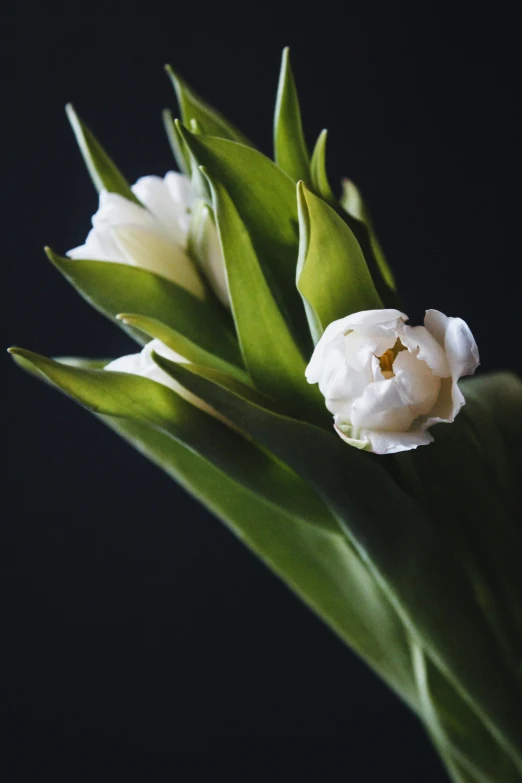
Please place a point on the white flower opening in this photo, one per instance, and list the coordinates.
(154, 236)
(386, 382)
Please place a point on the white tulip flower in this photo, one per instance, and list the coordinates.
(386, 383)
(153, 236)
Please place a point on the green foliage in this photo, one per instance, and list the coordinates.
(352, 202)
(118, 288)
(410, 558)
(332, 275)
(414, 563)
(290, 150)
(192, 107)
(264, 197)
(320, 182)
(104, 173)
(269, 351)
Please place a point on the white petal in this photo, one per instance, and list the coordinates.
(180, 189)
(381, 325)
(461, 349)
(426, 347)
(114, 209)
(361, 350)
(154, 193)
(384, 317)
(448, 404)
(393, 442)
(132, 363)
(418, 385)
(343, 388)
(99, 246)
(382, 407)
(153, 251)
(436, 323)
(456, 337)
(210, 255)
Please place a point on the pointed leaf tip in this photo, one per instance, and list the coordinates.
(193, 107)
(290, 150)
(104, 174)
(318, 173)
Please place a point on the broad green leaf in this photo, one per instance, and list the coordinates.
(104, 173)
(264, 197)
(119, 288)
(270, 353)
(185, 347)
(318, 565)
(318, 173)
(403, 549)
(181, 155)
(325, 572)
(316, 562)
(146, 401)
(193, 107)
(290, 150)
(479, 511)
(456, 729)
(332, 275)
(352, 202)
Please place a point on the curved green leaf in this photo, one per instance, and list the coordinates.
(193, 107)
(117, 288)
(352, 202)
(290, 150)
(104, 173)
(409, 558)
(270, 353)
(264, 197)
(181, 155)
(317, 564)
(318, 173)
(146, 401)
(332, 275)
(183, 346)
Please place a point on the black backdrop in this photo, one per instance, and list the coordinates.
(132, 617)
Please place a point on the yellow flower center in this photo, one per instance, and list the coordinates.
(388, 357)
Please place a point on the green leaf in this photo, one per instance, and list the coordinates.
(146, 401)
(180, 344)
(352, 202)
(481, 521)
(315, 560)
(104, 173)
(270, 353)
(193, 107)
(456, 729)
(264, 197)
(317, 564)
(332, 275)
(409, 558)
(320, 182)
(118, 288)
(181, 154)
(290, 150)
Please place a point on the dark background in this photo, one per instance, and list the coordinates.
(132, 617)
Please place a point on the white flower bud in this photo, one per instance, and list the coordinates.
(154, 236)
(386, 383)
